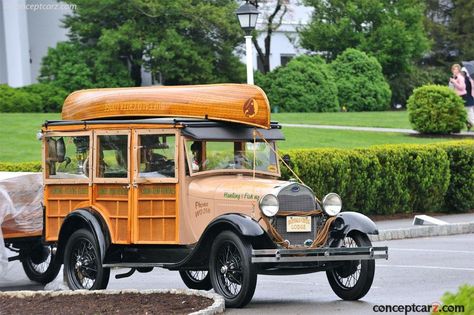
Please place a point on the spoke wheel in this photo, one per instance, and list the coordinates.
(196, 279)
(82, 263)
(232, 274)
(353, 279)
(40, 264)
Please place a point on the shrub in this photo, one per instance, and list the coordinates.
(360, 82)
(305, 84)
(20, 167)
(18, 101)
(460, 196)
(436, 109)
(464, 297)
(379, 180)
(52, 97)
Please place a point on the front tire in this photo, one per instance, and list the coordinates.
(353, 279)
(82, 263)
(232, 273)
(196, 279)
(40, 263)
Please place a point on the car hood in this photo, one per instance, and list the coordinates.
(233, 187)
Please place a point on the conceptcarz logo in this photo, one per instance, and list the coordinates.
(22, 5)
(435, 307)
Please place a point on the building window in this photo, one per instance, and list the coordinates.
(285, 58)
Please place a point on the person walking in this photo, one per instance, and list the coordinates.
(470, 96)
(458, 82)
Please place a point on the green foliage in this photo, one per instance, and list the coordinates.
(72, 66)
(52, 97)
(360, 82)
(403, 86)
(461, 185)
(391, 178)
(464, 297)
(20, 167)
(449, 25)
(18, 101)
(392, 31)
(305, 84)
(179, 42)
(436, 109)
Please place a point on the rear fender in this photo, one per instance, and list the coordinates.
(84, 218)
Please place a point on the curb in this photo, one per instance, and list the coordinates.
(424, 231)
(216, 308)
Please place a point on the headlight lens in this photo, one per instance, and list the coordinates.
(269, 205)
(332, 204)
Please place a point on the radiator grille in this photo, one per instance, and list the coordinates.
(296, 198)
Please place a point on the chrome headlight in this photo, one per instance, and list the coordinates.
(269, 205)
(332, 204)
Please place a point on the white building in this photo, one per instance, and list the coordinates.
(285, 40)
(29, 27)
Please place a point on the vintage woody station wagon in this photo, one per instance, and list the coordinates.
(186, 178)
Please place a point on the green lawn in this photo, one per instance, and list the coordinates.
(389, 119)
(18, 132)
(324, 138)
(18, 141)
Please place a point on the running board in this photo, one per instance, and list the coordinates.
(319, 254)
(136, 265)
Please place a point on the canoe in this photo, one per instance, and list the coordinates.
(237, 103)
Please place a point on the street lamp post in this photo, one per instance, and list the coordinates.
(247, 15)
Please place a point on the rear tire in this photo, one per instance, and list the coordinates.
(40, 264)
(232, 273)
(353, 279)
(82, 263)
(196, 279)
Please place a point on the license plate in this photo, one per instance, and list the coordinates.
(298, 224)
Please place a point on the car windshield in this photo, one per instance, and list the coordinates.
(226, 155)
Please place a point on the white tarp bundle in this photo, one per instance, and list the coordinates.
(21, 197)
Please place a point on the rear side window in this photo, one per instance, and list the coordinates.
(67, 157)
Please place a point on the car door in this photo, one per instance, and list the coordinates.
(155, 186)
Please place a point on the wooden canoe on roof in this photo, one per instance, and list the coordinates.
(239, 103)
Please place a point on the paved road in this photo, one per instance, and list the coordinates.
(418, 271)
(374, 129)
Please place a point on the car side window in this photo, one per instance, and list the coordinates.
(112, 156)
(67, 157)
(157, 156)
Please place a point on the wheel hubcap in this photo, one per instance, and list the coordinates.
(229, 270)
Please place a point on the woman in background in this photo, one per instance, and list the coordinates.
(458, 82)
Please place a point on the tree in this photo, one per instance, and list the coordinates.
(305, 84)
(391, 31)
(180, 41)
(360, 83)
(273, 13)
(72, 66)
(450, 25)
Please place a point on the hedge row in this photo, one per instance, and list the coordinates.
(20, 167)
(392, 178)
(382, 179)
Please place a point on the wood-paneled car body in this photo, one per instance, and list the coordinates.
(187, 178)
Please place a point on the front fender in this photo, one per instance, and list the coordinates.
(242, 225)
(354, 221)
(88, 219)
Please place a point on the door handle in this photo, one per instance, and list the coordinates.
(126, 186)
